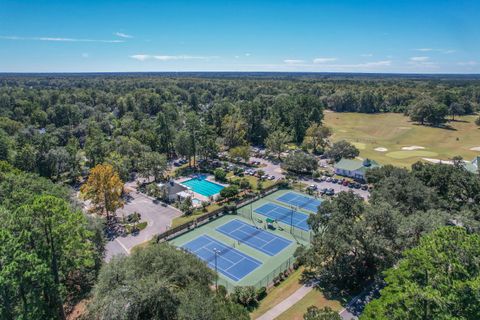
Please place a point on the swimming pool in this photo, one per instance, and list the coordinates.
(202, 186)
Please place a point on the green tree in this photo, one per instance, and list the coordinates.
(426, 110)
(342, 149)
(152, 164)
(45, 254)
(439, 279)
(276, 142)
(242, 152)
(159, 282)
(4, 146)
(183, 145)
(326, 313)
(230, 191)
(316, 137)
(233, 131)
(300, 162)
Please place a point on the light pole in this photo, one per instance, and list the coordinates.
(216, 272)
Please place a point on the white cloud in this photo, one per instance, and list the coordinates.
(248, 54)
(419, 59)
(366, 55)
(58, 39)
(85, 55)
(293, 61)
(236, 57)
(140, 57)
(423, 49)
(445, 51)
(324, 60)
(143, 57)
(123, 35)
(467, 63)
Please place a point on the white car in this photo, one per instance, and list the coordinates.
(271, 178)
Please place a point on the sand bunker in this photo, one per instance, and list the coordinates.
(438, 161)
(410, 148)
(475, 149)
(381, 149)
(404, 154)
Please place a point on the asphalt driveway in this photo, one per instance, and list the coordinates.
(159, 218)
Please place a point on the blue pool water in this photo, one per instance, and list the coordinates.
(203, 187)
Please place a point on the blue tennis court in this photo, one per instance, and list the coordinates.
(230, 262)
(285, 215)
(298, 200)
(258, 239)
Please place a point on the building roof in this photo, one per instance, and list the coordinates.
(356, 165)
(473, 165)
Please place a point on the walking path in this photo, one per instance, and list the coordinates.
(286, 304)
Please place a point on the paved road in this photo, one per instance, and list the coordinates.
(286, 304)
(270, 168)
(274, 169)
(158, 217)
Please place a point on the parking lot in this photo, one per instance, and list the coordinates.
(158, 216)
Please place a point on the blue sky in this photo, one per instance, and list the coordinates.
(315, 36)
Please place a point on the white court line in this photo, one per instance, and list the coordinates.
(242, 256)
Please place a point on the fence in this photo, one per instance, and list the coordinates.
(185, 227)
(268, 280)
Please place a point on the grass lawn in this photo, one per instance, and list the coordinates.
(313, 298)
(279, 293)
(394, 131)
(197, 213)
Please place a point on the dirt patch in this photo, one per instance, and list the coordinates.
(411, 148)
(381, 149)
(475, 148)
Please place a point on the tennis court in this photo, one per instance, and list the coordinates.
(285, 215)
(298, 200)
(258, 239)
(230, 262)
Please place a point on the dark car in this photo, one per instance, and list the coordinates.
(357, 185)
(341, 181)
(330, 192)
(346, 183)
(323, 191)
(350, 185)
(334, 180)
(365, 187)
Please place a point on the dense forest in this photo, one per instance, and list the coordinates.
(59, 126)
(54, 129)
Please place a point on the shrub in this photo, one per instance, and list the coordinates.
(220, 174)
(261, 293)
(229, 192)
(244, 184)
(245, 296)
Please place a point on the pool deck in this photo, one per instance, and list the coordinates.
(197, 195)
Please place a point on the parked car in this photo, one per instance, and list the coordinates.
(330, 192)
(329, 179)
(346, 183)
(341, 181)
(312, 187)
(365, 187)
(177, 164)
(323, 191)
(334, 180)
(264, 177)
(357, 185)
(271, 178)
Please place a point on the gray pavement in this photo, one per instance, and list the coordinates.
(159, 217)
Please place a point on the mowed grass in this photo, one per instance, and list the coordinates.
(313, 298)
(279, 293)
(394, 131)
